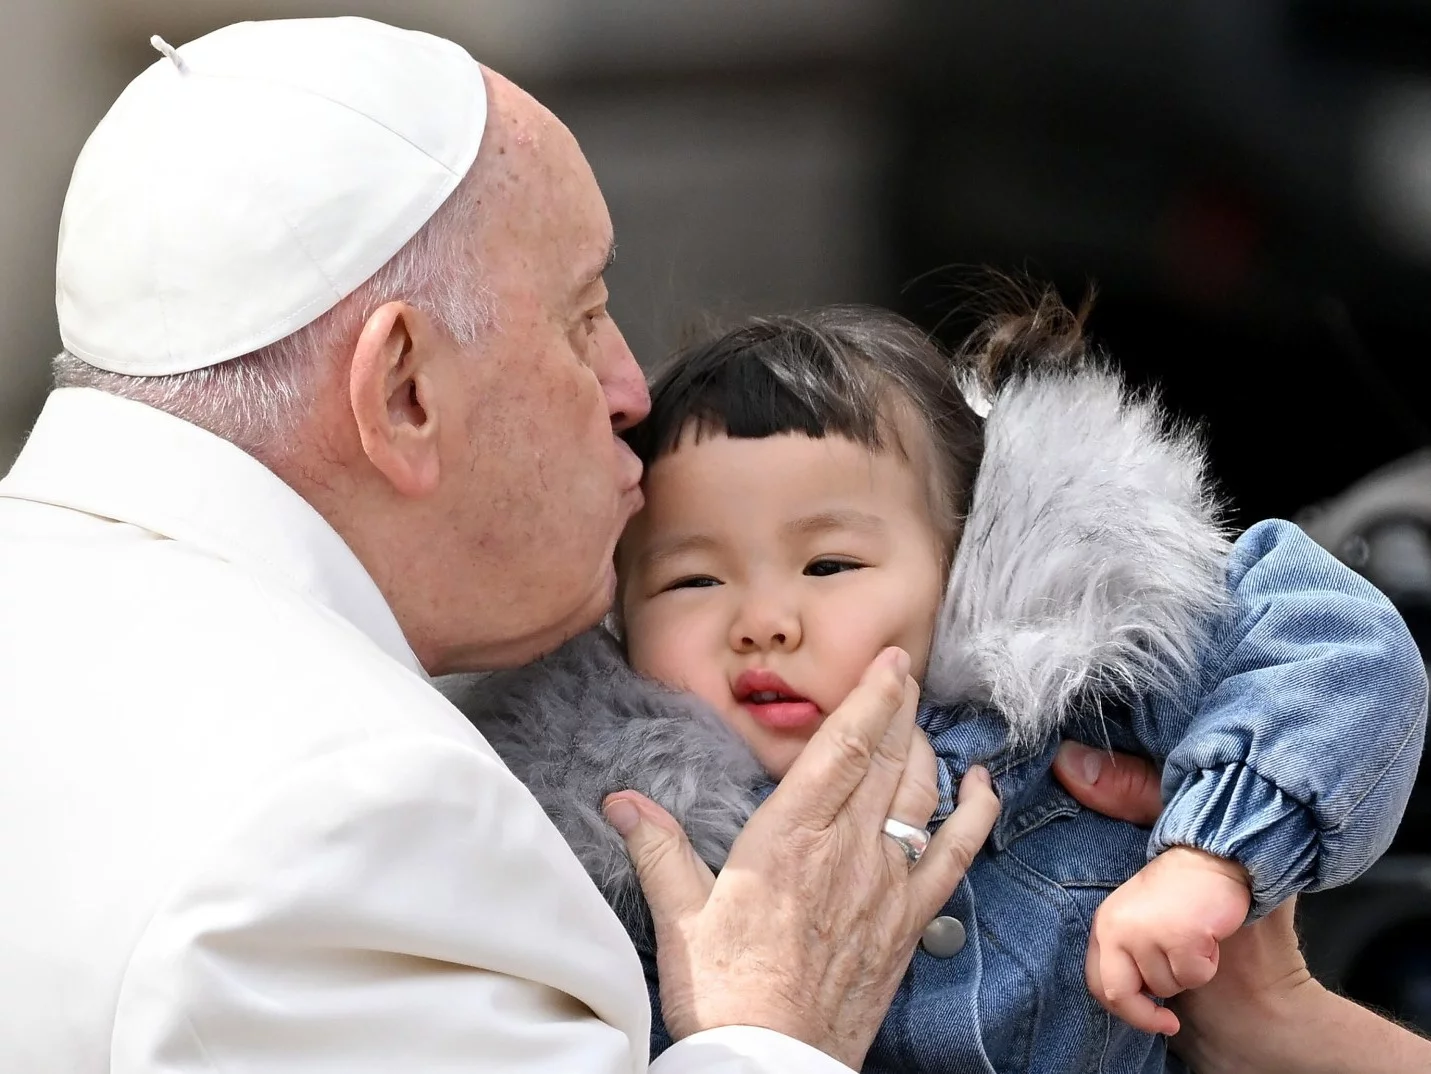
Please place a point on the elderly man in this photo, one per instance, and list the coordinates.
(337, 411)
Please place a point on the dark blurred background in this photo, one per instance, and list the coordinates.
(1248, 182)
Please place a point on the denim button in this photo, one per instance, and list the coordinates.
(944, 937)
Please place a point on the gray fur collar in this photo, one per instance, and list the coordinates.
(1091, 565)
(1092, 561)
(579, 724)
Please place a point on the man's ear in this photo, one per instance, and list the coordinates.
(391, 390)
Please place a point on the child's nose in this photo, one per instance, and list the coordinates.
(766, 628)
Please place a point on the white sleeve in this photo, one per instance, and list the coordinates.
(400, 906)
(744, 1050)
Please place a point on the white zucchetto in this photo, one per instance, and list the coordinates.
(247, 181)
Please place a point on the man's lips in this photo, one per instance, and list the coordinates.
(632, 498)
(629, 465)
(772, 702)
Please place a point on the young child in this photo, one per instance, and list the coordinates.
(818, 488)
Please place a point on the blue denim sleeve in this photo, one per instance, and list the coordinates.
(1294, 749)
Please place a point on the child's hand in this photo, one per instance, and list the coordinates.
(1159, 933)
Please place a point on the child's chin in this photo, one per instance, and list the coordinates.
(777, 762)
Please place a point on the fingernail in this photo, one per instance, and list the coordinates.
(900, 662)
(979, 774)
(1089, 762)
(623, 816)
(1092, 765)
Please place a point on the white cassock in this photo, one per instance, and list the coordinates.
(240, 832)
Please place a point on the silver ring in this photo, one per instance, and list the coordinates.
(911, 840)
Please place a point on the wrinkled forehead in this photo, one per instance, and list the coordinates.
(540, 208)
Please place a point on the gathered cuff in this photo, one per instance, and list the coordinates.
(1234, 813)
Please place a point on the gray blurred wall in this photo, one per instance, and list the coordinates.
(739, 142)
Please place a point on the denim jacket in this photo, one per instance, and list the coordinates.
(1291, 750)
(1093, 597)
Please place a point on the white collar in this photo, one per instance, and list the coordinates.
(122, 460)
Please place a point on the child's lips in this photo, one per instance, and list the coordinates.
(773, 703)
(784, 715)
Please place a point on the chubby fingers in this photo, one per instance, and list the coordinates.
(1191, 965)
(1117, 785)
(952, 850)
(857, 748)
(1116, 982)
(1156, 971)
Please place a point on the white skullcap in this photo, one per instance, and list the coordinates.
(246, 182)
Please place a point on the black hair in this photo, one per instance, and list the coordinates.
(837, 371)
(848, 370)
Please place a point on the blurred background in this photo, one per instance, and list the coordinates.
(1248, 182)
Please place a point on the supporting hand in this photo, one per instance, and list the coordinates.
(813, 920)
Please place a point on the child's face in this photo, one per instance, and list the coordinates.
(764, 576)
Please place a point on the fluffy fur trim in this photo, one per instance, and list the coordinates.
(1092, 562)
(579, 724)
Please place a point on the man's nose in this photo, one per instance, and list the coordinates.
(627, 399)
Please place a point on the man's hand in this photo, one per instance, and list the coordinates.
(812, 921)
(1159, 933)
(1114, 784)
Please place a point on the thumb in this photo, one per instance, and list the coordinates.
(673, 878)
(1118, 785)
(1194, 964)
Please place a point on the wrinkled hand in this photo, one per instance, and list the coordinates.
(1114, 784)
(1159, 934)
(815, 915)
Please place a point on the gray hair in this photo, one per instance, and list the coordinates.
(258, 400)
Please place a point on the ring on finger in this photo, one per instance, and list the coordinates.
(911, 840)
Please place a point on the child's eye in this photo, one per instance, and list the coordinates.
(700, 581)
(823, 568)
